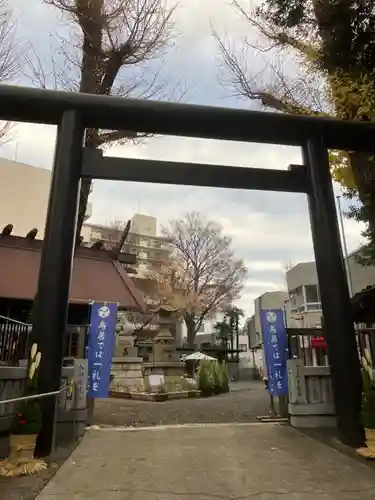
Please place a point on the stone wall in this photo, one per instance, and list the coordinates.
(12, 385)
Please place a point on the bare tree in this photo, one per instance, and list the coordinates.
(303, 93)
(105, 53)
(213, 276)
(11, 55)
(333, 62)
(170, 285)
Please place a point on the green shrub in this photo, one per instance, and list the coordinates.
(224, 378)
(28, 419)
(212, 378)
(205, 378)
(216, 377)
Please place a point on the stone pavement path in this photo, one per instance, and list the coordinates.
(244, 403)
(208, 462)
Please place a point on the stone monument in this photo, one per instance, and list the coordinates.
(126, 364)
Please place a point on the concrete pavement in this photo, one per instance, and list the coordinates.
(208, 462)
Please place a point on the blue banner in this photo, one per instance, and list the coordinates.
(103, 321)
(275, 350)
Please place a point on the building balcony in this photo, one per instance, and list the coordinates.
(149, 244)
(306, 307)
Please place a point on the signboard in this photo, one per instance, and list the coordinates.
(80, 368)
(103, 321)
(318, 343)
(156, 379)
(275, 350)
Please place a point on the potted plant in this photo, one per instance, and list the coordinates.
(368, 407)
(28, 419)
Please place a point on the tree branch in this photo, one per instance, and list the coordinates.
(11, 59)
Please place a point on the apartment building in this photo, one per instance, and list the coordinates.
(142, 241)
(24, 193)
(303, 305)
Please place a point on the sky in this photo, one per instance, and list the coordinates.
(269, 230)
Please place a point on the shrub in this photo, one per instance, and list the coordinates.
(224, 378)
(212, 378)
(28, 419)
(217, 377)
(205, 378)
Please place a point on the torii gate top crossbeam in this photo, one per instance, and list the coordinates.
(155, 117)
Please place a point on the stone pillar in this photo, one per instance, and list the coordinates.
(72, 404)
(311, 402)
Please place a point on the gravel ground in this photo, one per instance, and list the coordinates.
(244, 403)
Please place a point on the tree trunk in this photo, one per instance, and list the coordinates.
(190, 327)
(90, 23)
(92, 138)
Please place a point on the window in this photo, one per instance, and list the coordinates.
(296, 297)
(201, 328)
(243, 347)
(311, 294)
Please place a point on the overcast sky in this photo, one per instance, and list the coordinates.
(269, 230)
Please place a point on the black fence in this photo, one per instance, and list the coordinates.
(309, 344)
(13, 341)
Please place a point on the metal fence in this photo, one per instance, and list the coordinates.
(309, 344)
(13, 340)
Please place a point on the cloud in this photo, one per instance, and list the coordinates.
(265, 266)
(269, 230)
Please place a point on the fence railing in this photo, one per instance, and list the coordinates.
(13, 340)
(309, 344)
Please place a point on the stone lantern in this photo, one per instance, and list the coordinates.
(165, 358)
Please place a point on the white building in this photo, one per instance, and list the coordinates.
(24, 193)
(303, 305)
(142, 241)
(206, 332)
